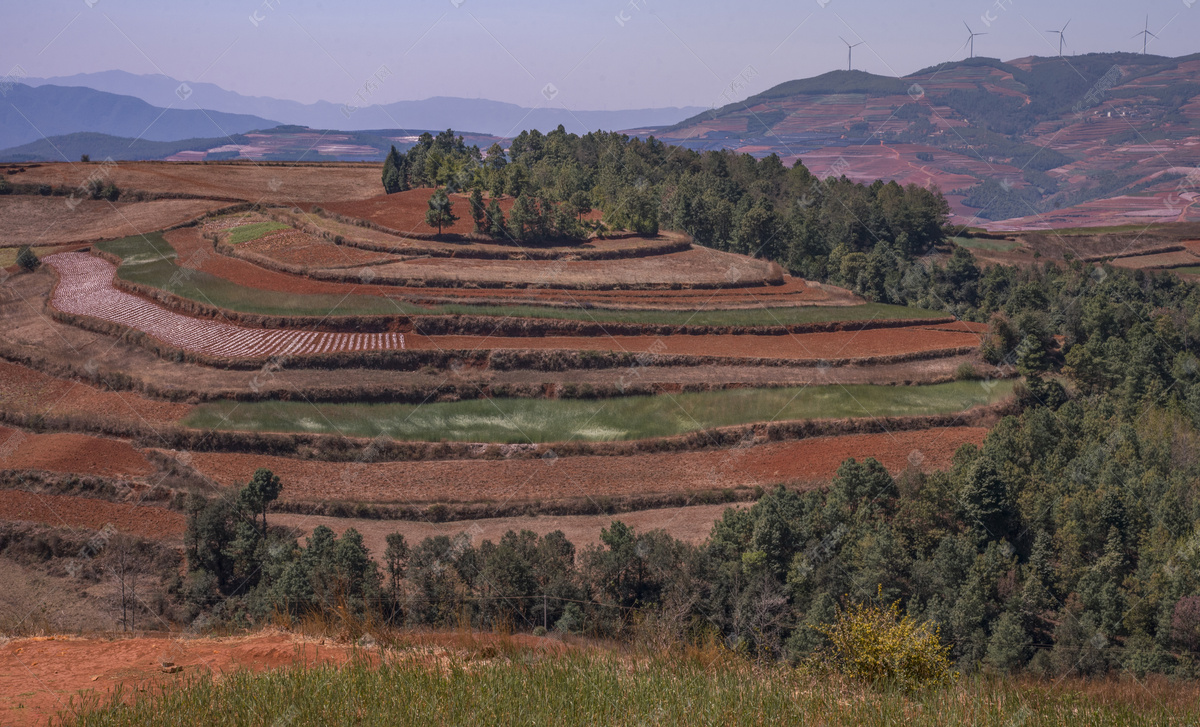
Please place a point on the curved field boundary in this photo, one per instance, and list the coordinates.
(507, 325)
(85, 291)
(85, 288)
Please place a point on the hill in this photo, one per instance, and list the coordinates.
(1096, 139)
(281, 143)
(30, 114)
(441, 112)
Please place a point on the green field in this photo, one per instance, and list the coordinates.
(538, 688)
(978, 243)
(254, 231)
(621, 418)
(150, 260)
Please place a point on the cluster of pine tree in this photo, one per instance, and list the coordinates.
(818, 228)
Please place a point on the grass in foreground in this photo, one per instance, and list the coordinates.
(150, 260)
(534, 688)
(622, 418)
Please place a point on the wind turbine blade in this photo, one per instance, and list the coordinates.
(843, 40)
(968, 28)
(1067, 23)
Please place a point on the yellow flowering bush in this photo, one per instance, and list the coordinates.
(879, 646)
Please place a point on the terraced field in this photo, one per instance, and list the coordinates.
(85, 288)
(641, 371)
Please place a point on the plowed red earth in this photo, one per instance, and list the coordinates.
(68, 511)
(73, 453)
(28, 391)
(190, 246)
(405, 211)
(40, 676)
(806, 460)
(801, 346)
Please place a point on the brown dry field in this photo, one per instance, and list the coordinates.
(25, 390)
(690, 524)
(40, 675)
(247, 181)
(188, 244)
(520, 480)
(405, 211)
(696, 267)
(28, 220)
(293, 247)
(1181, 258)
(69, 511)
(70, 453)
(796, 346)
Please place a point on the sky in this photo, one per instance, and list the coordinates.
(582, 54)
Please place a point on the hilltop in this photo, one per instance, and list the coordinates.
(1037, 142)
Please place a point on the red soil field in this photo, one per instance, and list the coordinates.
(68, 511)
(802, 461)
(28, 391)
(797, 346)
(405, 211)
(39, 676)
(72, 453)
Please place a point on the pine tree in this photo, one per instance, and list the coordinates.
(27, 260)
(392, 179)
(1008, 648)
(478, 211)
(495, 220)
(441, 211)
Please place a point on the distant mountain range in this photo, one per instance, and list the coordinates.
(1102, 138)
(29, 114)
(1034, 142)
(478, 115)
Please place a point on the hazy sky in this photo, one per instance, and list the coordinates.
(598, 54)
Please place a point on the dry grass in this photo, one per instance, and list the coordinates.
(271, 184)
(26, 220)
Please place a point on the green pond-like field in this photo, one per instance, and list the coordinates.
(622, 418)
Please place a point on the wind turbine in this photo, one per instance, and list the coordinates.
(1061, 37)
(1146, 35)
(971, 38)
(850, 52)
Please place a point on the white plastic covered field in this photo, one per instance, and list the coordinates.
(85, 288)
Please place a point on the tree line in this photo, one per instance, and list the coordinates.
(723, 199)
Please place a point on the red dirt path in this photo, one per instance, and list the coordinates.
(73, 453)
(803, 461)
(69, 511)
(39, 676)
